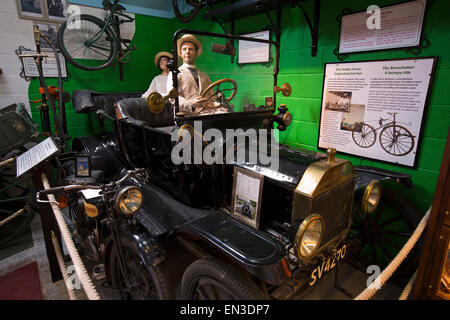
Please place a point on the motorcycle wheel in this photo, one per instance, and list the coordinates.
(209, 279)
(146, 282)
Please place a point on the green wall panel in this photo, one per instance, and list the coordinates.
(299, 68)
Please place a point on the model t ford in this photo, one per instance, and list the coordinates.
(226, 211)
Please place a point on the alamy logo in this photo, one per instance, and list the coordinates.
(73, 17)
(237, 146)
(374, 279)
(374, 20)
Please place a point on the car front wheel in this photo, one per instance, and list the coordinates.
(209, 279)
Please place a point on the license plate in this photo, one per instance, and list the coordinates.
(327, 265)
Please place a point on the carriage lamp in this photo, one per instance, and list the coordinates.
(128, 200)
(371, 197)
(309, 236)
(283, 118)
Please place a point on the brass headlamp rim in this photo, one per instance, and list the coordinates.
(301, 231)
(120, 193)
(367, 192)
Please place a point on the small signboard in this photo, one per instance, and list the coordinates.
(35, 155)
(400, 26)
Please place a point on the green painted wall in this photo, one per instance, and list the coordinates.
(303, 72)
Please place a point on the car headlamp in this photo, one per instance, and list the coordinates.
(371, 197)
(128, 200)
(309, 236)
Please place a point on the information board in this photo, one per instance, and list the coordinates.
(375, 109)
(400, 26)
(35, 155)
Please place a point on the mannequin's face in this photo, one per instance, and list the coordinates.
(163, 63)
(188, 53)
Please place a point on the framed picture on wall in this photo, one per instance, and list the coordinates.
(43, 10)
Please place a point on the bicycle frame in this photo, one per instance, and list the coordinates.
(110, 20)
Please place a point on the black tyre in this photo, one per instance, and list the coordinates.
(396, 140)
(146, 282)
(74, 46)
(186, 10)
(365, 137)
(209, 279)
(377, 238)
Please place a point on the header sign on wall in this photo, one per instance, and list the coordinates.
(374, 109)
(399, 26)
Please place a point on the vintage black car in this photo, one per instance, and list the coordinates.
(197, 228)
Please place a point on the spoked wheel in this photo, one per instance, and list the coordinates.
(396, 140)
(16, 196)
(145, 282)
(209, 279)
(365, 137)
(186, 10)
(85, 45)
(377, 238)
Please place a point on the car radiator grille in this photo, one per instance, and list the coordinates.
(334, 205)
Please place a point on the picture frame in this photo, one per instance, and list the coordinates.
(83, 166)
(247, 196)
(391, 35)
(43, 10)
(367, 110)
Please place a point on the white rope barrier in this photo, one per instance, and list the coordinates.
(14, 215)
(83, 275)
(62, 267)
(407, 291)
(390, 269)
(4, 163)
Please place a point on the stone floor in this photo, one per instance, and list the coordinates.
(350, 279)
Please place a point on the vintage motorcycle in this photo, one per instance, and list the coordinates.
(100, 217)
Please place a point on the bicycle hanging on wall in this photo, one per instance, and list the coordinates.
(90, 43)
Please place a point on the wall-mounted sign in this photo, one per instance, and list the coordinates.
(49, 65)
(374, 109)
(254, 52)
(400, 26)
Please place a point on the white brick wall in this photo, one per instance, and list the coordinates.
(15, 32)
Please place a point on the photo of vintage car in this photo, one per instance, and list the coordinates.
(183, 232)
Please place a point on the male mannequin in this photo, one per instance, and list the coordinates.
(191, 81)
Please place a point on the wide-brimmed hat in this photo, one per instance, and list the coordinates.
(162, 54)
(189, 38)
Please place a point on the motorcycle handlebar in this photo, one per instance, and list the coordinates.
(85, 186)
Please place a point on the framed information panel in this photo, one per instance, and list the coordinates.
(375, 109)
(400, 26)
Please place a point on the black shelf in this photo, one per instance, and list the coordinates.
(245, 8)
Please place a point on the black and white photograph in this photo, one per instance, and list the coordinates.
(56, 9)
(51, 32)
(30, 8)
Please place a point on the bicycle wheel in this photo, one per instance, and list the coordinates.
(396, 140)
(365, 137)
(186, 10)
(74, 43)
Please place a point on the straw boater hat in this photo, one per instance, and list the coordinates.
(161, 54)
(192, 39)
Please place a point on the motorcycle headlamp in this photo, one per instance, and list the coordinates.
(309, 236)
(371, 197)
(128, 200)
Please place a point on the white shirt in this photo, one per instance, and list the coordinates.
(158, 84)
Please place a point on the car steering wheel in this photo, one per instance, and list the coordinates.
(218, 91)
